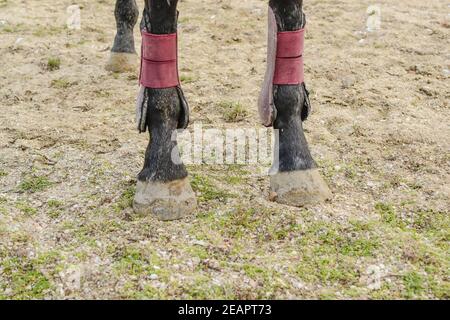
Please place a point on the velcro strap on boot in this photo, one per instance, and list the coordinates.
(159, 61)
(289, 67)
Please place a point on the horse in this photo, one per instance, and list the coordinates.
(163, 187)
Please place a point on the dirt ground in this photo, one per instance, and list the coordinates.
(69, 155)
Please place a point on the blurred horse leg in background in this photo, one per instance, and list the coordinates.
(123, 55)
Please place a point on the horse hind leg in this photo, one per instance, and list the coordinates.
(123, 55)
(163, 189)
(295, 179)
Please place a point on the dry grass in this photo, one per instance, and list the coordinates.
(69, 154)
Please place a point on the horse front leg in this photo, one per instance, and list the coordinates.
(284, 104)
(163, 188)
(123, 55)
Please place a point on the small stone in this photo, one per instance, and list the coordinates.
(153, 277)
(297, 284)
(373, 276)
(19, 41)
(200, 243)
(347, 82)
(371, 184)
(273, 196)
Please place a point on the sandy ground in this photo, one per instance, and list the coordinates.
(69, 154)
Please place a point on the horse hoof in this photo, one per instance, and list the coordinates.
(122, 62)
(165, 200)
(299, 188)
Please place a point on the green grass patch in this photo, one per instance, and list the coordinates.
(388, 215)
(234, 180)
(62, 83)
(201, 288)
(238, 223)
(54, 208)
(26, 208)
(54, 203)
(233, 111)
(53, 63)
(206, 189)
(138, 262)
(414, 285)
(330, 269)
(187, 79)
(48, 30)
(25, 278)
(126, 199)
(359, 247)
(133, 291)
(12, 28)
(330, 252)
(254, 271)
(35, 184)
(430, 220)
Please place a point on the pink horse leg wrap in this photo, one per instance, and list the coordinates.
(289, 68)
(284, 66)
(159, 61)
